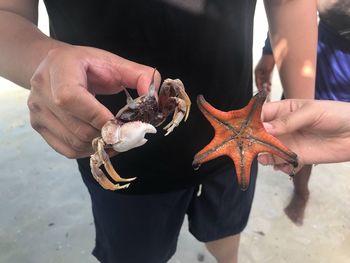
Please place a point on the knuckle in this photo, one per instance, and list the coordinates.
(37, 81)
(33, 106)
(282, 125)
(284, 121)
(62, 96)
(70, 142)
(36, 125)
(55, 53)
(76, 145)
(71, 154)
(82, 132)
(52, 53)
(87, 136)
(68, 151)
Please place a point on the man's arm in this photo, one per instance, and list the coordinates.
(293, 36)
(22, 45)
(62, 79)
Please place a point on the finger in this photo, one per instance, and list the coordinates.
(67, 137)
(82, 130)
(61, 147)
(267, 85)
(269, 159)
(70, 94)
(266, 159)
(40, 101)
(139, 76)
(277, 163)
(273, 110)
(286, 168)
(59, 137)
(117, 72)
(287, 116)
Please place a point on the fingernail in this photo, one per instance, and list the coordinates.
(265, 159)
(268, 126)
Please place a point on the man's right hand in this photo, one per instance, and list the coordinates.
(62, 105)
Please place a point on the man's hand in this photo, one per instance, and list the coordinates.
(62, 105)
(263, 71)
(318, 131)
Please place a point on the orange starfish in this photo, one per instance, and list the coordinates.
(240, 135)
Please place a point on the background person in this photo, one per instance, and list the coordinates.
(332, 80)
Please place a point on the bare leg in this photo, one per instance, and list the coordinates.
(296, 208)
(225, 250)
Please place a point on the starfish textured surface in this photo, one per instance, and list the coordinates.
(240, 135)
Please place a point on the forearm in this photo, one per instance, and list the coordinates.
(22, 47)
(293, 35)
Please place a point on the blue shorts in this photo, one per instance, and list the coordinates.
(333, 65)
(145, 228)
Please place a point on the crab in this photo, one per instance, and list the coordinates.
(128, 128)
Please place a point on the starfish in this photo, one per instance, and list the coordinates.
(240, 135)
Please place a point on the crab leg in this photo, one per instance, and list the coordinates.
(184, 96)
(152, 87)
(107, 163)
(99, 158)
(100, 177)
(129, 100)
(180, 113)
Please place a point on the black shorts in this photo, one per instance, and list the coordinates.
(145, 228)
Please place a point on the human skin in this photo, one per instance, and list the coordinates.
(317, 130)
(63, 79)
(56, 72)
(294, 50)
(263, 72)
(303, 74)
(62, 105)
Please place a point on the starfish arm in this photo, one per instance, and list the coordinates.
(252, 111)
(242, 155)
(242, 167)
(214, 116)
(250, 115)
(213, 150)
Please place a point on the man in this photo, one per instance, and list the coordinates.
(208, 45)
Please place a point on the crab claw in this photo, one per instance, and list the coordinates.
(131, 135)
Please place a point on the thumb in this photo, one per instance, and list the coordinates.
(290, 122)
(146, 80)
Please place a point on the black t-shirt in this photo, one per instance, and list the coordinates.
(207, 44)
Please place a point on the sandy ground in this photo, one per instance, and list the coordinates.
(46, 215)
